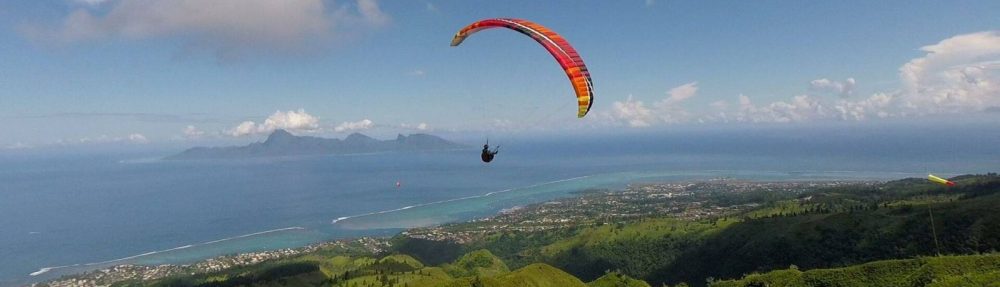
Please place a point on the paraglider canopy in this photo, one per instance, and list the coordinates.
(565, 54)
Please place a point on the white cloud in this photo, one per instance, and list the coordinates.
(680, 93)
(193, 132)
(720, 105)
(876, 105)
(841, 88)
(669, 109)
(419, 127)
(372, 14)
(91, 2)
(243, 129)
(354, 126)
(289, 120)
(417, 73)
(229, 29)
(634, 112)
(718, 112)
(137, 138)
(958, 74)
(18, 145)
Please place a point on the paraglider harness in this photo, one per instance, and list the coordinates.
(487, 155)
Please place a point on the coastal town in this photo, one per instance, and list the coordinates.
(131, 272)
(683, 200)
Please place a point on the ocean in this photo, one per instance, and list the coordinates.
(68, 213)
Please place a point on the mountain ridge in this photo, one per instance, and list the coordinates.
(283, 143)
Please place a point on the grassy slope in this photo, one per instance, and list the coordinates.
(669, 250)
(835, 228)
(477, 263)
(968, 270)
(479, 268)
(829, 240)
(615, 279)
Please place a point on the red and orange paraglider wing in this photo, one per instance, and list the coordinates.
(567, 57)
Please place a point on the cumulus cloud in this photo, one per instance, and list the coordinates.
(354, 126)
(227, 28)
(192, 132)
(668, 110)
(243, 129)
(680, 93)
(288, 120)
(799, 108)
(134, 138)
(958, 74)
(419, 127)
(876, 105)
(371, 13)
(291, 120)
(634, 112)
(18, 145)
(843, 88)
(137, 138)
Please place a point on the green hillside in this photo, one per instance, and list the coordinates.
(830, 239)
(826, 232)
(615, 279)
(968, 270)
(825, 228)
(475, 269)
(477, 263)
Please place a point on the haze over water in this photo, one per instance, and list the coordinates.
(87, 211)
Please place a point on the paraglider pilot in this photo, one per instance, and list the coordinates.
(487, 155)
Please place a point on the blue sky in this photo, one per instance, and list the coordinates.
(138, 71)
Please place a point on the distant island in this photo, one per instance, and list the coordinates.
(283, 143)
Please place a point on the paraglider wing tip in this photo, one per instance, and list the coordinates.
(951, 183)
(455, 41)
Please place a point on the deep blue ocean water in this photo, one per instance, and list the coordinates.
(77, 212)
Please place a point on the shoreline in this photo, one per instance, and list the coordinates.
(122, 272)
(342, 218)
(46, 270)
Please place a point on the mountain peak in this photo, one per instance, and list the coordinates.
(353, 137)
(279, 135)
(282, 143)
